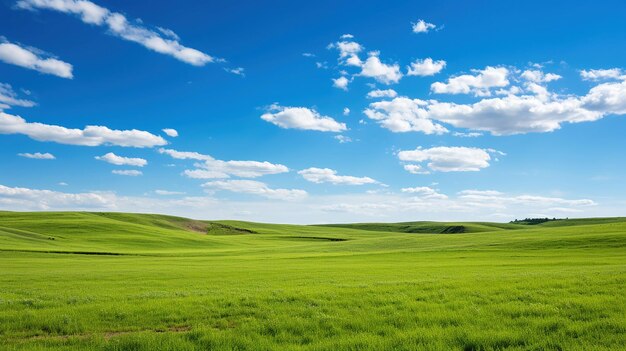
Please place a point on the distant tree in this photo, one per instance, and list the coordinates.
(534, 221)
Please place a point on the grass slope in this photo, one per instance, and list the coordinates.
(430, 227)
(109, 281)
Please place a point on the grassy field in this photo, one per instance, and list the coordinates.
(104, 281)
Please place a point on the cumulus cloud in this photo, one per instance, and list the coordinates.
(415, 169)
(348, 52)
(478, 84)
(537, 76)
(381, 72)
(515, 114)
(526, 109)
(301, 118)
(449, 159)
(161, 40)
(122, 161)
(224, 169)
(32, 59)
(327, 175)
(606, 98)
(372, 67)
(346, 111)
(210, 168)
(89, 136)
(602, 74)
(38, 155)
(422, 26)
(425, 192)
(127, 172)
(10, 98)
(388, 93)
(341, 83)
(425, 67)
(255, 188)
(170, 132)
(403, 115)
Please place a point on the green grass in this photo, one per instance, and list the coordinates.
(107, 281)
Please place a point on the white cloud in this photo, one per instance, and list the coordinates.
(167, 192)
(467, 135)
(492, 198)
(31, 58)
(343, 139)
(403, 115)
(346, 111)
(255, 188)
(184, 155)
(390, 207)
(170, 132)
(425, 192)
(16, 198)
(117, 24)
(425, 67)
(10, 98)
(211, 168)
(515, 114)
(122, 161)
(347, 49)
(478, 84)
(327, 175)
(388, 93)
(89, 136)
(383, 73)
(602, 74)
(127, 172)
(526, 109)
(341, 83)
(205, 174)
(606, 98)
(415, 169)
(347, 36)
(422, 26)
(449, 159)
(38, 155)
(301, 118)
(538, 76)
(240, 71)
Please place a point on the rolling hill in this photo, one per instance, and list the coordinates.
(119, 281)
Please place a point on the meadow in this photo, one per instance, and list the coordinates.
(113, 281)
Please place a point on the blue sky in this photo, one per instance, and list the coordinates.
(457, 111)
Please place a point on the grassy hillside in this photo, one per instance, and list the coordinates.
(110, 281)
(430, 227)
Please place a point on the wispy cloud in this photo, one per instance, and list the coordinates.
(255, 188)
(161, 40)
(38, 155)
(34, 59)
